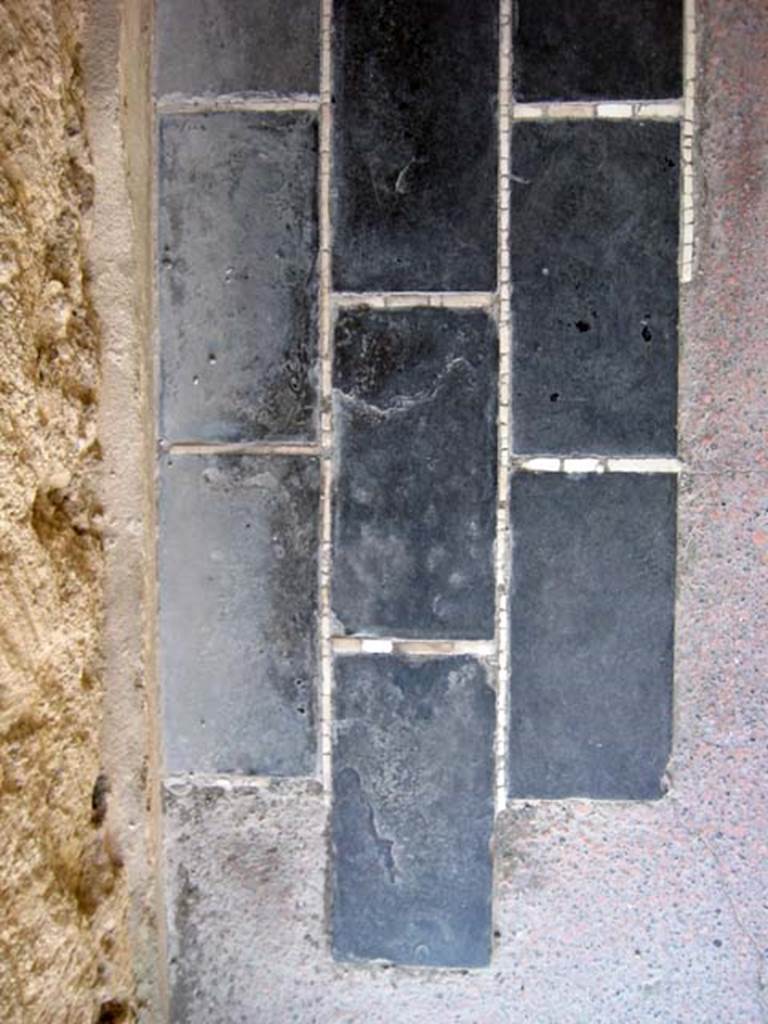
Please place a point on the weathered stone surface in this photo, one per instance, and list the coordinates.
(237, 287)
(238, 596)
(245, 881)
(412, 811)
(591, 620)
(208, 47)
(594, 227)
(571, 50)
(414, 150)
(414, 514)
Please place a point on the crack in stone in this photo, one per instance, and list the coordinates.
(404, 403)
(384, 847)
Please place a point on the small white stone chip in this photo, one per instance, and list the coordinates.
(582, 466)
(526, 112)
(664, 110)
(617, 110)
(644, 465)
(376, 646)
(577, 111)
(542, 464)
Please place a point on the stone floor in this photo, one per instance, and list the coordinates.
(603, 910)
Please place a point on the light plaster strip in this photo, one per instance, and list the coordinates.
(596, 464)
(424, 648)
(241, 448)
(503, 466)
(410, 300)
(325, 320)
(628, 110)
(177, 103)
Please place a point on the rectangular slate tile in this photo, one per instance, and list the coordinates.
(415, 479)
(592, 608)
(571, 50)
(237, 555)
(412, 811)
(237, 283)
(414, 149)
(206, 47)
(594, 226)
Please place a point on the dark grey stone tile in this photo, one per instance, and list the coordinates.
(594, 227)
(414, 150)
(237, 552)
(237, 283)
(412, 811)
(570, 50)
(592, 607)
(415, 480)
(206, 47)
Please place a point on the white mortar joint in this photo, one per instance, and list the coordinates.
(413, 647)
(636, 110)
(179, 103)
(411, 300)
(597, 464)
(502, 549)
(326, 390)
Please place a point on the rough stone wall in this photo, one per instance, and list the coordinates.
(63, 944)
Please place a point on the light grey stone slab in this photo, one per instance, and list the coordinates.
(238, 602)
(230, 46)
(237, 282)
